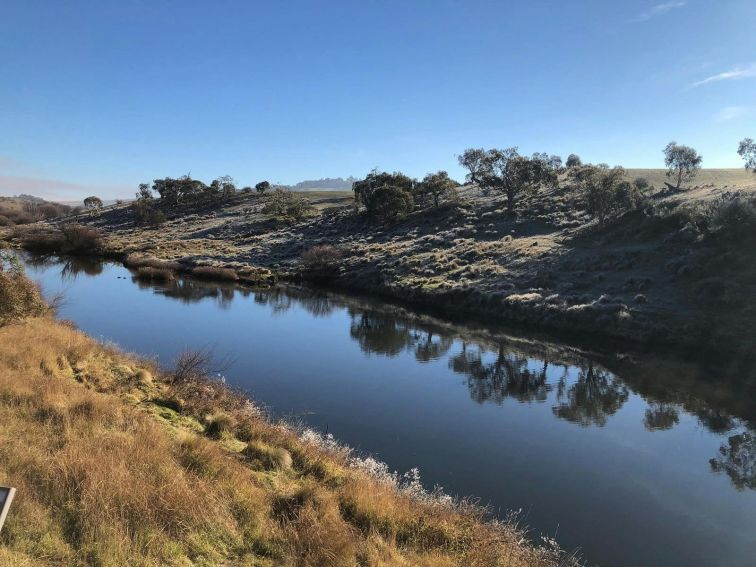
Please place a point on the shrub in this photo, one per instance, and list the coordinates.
(147, 212)
(262, 187)
(390, 203)
(19, 296)
(41, 241)
(287, 205)
(15, 216)
(321, 261)
(365, 189)
(606, 192)
(435, 186)
(643, 185)
(71, 238)
(733, 215)
(80, 239)
(573, 160)
(191, 365)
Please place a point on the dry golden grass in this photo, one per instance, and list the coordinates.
(732, 177)
(19, 296)
(117, 465)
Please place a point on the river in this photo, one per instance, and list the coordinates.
(633, 460)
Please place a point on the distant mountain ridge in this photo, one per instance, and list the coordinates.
(325, 183)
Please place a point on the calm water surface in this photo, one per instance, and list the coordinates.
(648, 462)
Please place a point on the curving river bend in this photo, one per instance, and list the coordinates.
(643, 462)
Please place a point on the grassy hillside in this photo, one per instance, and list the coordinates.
(726, 178)
(116, 463)
(676, 269)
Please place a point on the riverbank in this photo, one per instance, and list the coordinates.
(660, 277)
(116, 461)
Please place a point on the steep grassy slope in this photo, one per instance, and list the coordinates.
(116, 464)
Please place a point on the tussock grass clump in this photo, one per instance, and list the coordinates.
(214, 273)
(267, 457)
(137, 261)
(154, 274)
(219, 424)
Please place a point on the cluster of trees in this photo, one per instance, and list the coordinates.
(509, 172)
(173, 192)
(388, 196)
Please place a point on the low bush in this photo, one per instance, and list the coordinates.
(287, 205)
(321, 261)
(71, 238)
(733, 215)
(390, 203)
(11, 217)
(19, 296)
(80, 239)
(146, 212)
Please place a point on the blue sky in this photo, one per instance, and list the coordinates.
(96, 97)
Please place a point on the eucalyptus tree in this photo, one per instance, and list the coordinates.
(747, 150)
(573, 160)
(682, 162)
(93, 204)
(473, 160)
(435, 185)
(512, 174)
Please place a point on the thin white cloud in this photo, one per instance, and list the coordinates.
(736, 73)
(658, 10)
(731, 113)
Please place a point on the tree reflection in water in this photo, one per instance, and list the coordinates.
(74, 266)
(497, 368)
(188, 290)
(384, 334)
(737, 458)
(591, 399)
(278, 301)
(379, 333)
(508, 376)
(661, 416)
